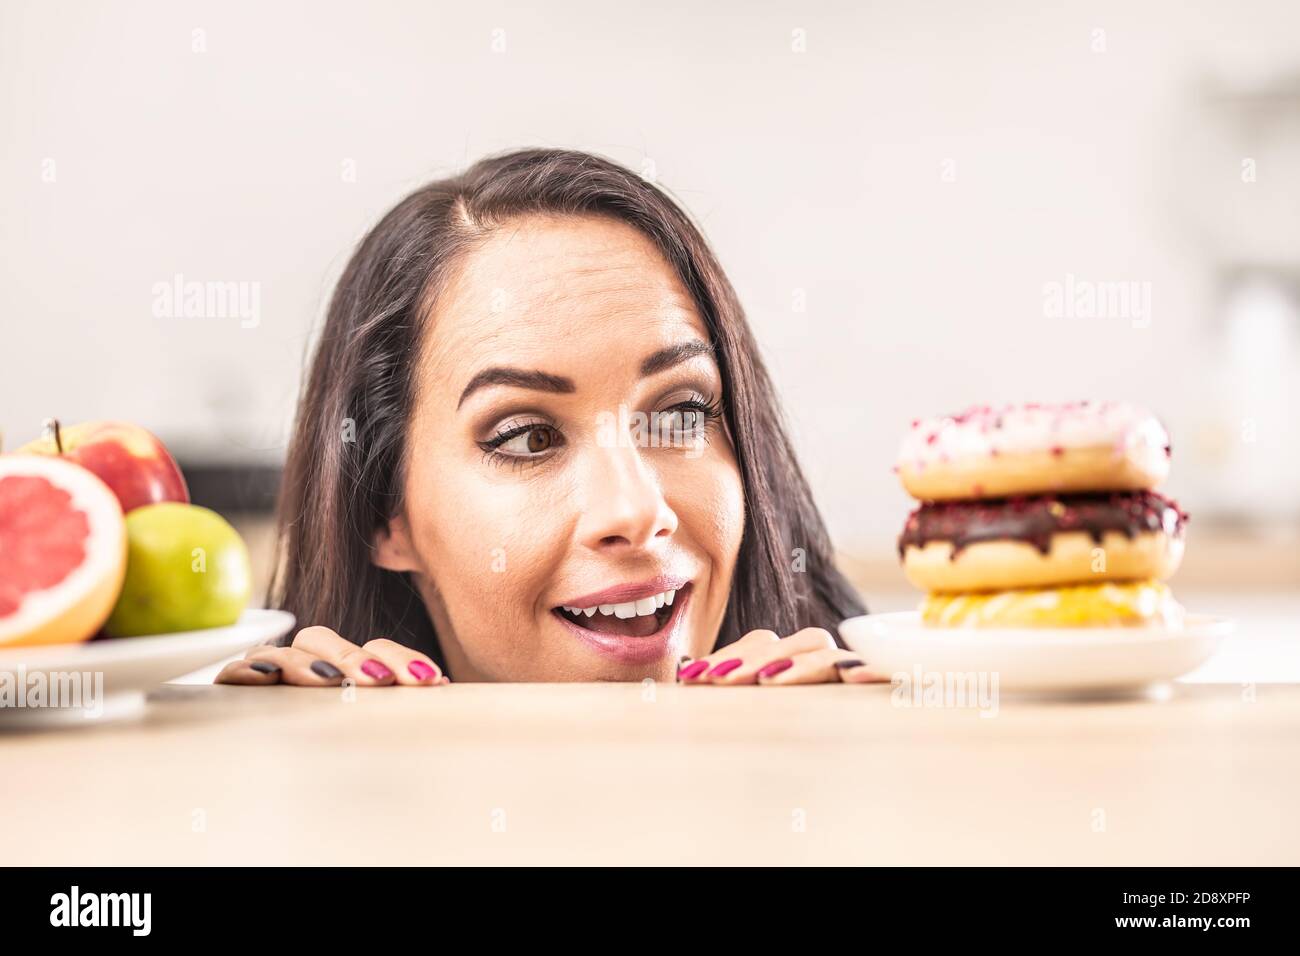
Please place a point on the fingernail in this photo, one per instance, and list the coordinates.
(325, 669)
(726, 667)
(265, 667)
(693, 670)
(774, 668)
(850, 663)
(376, 670)
(420, 670)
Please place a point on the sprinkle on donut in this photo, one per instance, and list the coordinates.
(985, 430)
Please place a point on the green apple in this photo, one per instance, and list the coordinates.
(186, 569)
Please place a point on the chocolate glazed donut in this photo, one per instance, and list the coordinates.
(1035, 519)
(1042, 540)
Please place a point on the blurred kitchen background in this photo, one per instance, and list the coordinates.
(895, 188)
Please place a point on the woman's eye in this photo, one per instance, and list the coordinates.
(685, 421)
(533, 440)
(690, 420)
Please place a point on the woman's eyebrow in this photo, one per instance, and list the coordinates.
(540, 381)
(674, 355)
(518, 377)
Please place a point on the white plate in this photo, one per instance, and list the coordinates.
(111, 676)
(1079, 660)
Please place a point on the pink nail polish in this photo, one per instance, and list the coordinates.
(726, 667)
(376, 670)
(692, 670)
(420, 670)
(774, 668)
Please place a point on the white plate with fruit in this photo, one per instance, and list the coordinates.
(107, 678)
(111, 581)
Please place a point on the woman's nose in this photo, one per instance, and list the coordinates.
(625, 504)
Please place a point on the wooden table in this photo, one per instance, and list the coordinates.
(609, 773)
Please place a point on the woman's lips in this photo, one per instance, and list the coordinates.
(636, 640)
(621, 593)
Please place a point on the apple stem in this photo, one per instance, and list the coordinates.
(51, 428)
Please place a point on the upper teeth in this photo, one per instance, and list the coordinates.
(628, 608)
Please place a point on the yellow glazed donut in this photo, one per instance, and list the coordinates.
(1131, 604)
(987, 545)
(996, 452)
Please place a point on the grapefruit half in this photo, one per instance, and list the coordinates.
(62, 551)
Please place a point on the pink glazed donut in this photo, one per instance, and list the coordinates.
(1000, 452)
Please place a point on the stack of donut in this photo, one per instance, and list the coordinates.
(1041, 516)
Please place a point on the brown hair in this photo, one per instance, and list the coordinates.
(343, 478)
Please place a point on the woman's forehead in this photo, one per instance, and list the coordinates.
(559, 287)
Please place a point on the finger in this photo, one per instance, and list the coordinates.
(764, 657)
(757, 638)
(692, 671)
(298, 667)
(249, 672)
(811, 667)
(355, 662)
(410, 667)
(861, 673)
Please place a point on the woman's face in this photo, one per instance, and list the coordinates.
(567, 450)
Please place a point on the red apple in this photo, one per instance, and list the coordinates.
(130, 460)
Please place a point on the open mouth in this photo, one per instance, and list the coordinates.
(641, 618)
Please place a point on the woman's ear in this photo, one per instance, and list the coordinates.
(392, 546)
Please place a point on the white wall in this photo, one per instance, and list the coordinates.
(821, 171)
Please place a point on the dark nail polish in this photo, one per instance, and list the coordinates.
(325, 669)
(848, 664)
(265, 667)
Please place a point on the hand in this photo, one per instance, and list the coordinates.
(760, 657)
(318, 657)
